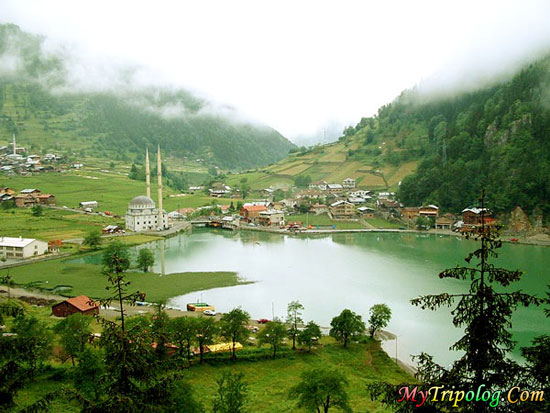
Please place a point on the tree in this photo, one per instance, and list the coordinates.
(159, 329)
(309, 334)
(346, 326)
(74, 333)
(34, 341)
(485, 314)
(302, 180)
(233, 327)
(380, 316)
(320, 389)
(146, 259)
(93, 239)
(88, 373)
(293, 318)
(207, 329)
(231, 394)
(37, 210)
(273, 334)
(183, 331)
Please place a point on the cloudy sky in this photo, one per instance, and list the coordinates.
(299, 66)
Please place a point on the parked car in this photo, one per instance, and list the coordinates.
(263, 320)
(209, 312)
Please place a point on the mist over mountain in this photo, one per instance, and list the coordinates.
(43, 103)
(495, 138)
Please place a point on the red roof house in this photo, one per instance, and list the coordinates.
(80, 304)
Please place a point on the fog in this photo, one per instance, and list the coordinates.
(303, 68)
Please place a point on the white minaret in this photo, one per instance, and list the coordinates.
(14, 147)
(147, 173)
(159, 176)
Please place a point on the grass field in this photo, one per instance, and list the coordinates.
(53, 224)
(87, 279)
(112, 191)
(323, 220)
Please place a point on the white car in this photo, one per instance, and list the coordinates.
(209, 312)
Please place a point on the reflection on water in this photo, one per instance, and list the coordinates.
(328, 273)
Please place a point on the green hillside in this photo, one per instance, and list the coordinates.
(496, 138)
(41, 109)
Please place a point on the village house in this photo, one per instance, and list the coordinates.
(251, 213)
(6, 197)
(429, 211)
(472, 216)
(193, 189)
(54, 246)
(21, 247)
(387, 204)
(342, 210)
(272, 217)
(444, 223)
(386, 195)
(348, 183)
(6, 190)
(80, 304)
(268, 192)
(30, 191)
(88, 204)
(77, 165)
(361, 193)
(318, 209)
(219, 190)
(410, 213)
(366, 212)
(321, 185)
(111, 229)
(335, 188)
(356, 200)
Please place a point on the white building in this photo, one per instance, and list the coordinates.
(88, 204)
(21, 247)
(142, 215)
(348, 183)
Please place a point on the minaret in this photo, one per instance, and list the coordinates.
(14, 147)
(147, 173)
(159, 175)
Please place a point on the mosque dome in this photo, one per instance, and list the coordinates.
(142, 201)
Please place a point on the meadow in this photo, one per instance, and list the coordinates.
(87, 279)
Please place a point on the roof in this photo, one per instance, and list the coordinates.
(82, 302)
(431, 206)
(142, 200)
(475, 210)
(335, 186)
(29, 190)
(271, 212)
(251, 208)
(15, 242)
(349, 179)
(339, 203)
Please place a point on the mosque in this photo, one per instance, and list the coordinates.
(142, 214)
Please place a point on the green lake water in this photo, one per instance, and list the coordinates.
(332, 272)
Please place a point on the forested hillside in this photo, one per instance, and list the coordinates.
(496, 138)
(38, 105)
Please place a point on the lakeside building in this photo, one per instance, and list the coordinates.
(429, 211)
(472, 216)
(21, 247)
(271, 217)
(366, 212)
(142, 213)
(342, 210)
(251, 213)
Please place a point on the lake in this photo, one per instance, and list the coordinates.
(331, 272)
